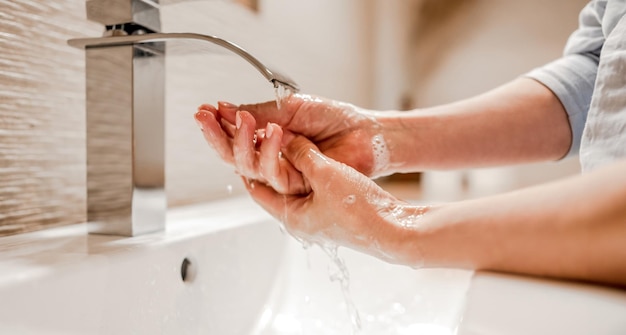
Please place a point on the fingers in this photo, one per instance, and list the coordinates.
(277, 171)
(228, 111)
(269, 166)
(208, 108)
(254, 152)
(228, 128)
(227, 114)
(244, 146)
(263, 112)
(268, 112)
(215, 135)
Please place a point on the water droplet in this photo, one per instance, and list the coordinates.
(349, 200)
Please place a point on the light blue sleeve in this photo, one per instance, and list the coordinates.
(572, 77)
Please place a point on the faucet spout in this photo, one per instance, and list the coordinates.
(273, 76)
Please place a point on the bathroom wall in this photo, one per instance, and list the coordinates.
(466, 47)
(41, 114)
(42, 158)
(351, 50)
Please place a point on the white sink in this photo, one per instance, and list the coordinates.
(390, 299)
(515, 305)
(62, 281)
(248, 278)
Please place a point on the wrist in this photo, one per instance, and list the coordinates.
(399, 239)
(401, 132)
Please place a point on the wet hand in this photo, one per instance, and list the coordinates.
(343, 207)
(341, 131)
(255, 153)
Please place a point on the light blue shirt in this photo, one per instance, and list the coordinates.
(590, 81)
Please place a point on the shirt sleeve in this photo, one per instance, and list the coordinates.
(572, 77)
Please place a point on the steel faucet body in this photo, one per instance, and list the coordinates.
(125, 123)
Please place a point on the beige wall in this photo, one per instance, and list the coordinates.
(485, 43)
(351, 50)
(478, 46)
(42, 92)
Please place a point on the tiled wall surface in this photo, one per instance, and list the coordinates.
(42, 141)
(41, 114)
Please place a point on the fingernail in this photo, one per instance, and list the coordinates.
(207, 107)
(224, 104)
(199, 117)
(269, 130)
(238, 120)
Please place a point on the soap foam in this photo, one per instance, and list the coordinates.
(381, 153)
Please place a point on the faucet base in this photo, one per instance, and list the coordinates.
(147, 216)
(125, 140)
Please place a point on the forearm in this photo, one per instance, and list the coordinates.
(575, 228)
(522, 121)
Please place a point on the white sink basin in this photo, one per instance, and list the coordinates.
(62, 281)
(247, 278)
(515, 305)
(390, 299)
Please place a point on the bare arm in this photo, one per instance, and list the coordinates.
(522, 121)
(574, 228)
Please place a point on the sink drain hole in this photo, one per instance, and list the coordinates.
(187, 272)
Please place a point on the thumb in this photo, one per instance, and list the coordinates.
(306, 157)
(267, 112)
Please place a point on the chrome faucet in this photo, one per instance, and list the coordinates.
(125, 107)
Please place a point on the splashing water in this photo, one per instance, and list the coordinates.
(340, 273)
(282, 92)
(342, 276)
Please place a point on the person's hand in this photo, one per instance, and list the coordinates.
(341, 131)
(344, 207)
(255, 153)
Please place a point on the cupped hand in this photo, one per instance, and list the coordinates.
(344, 207)
(255, 153)
(341, 131)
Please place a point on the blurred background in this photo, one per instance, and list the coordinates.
(378, 54)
